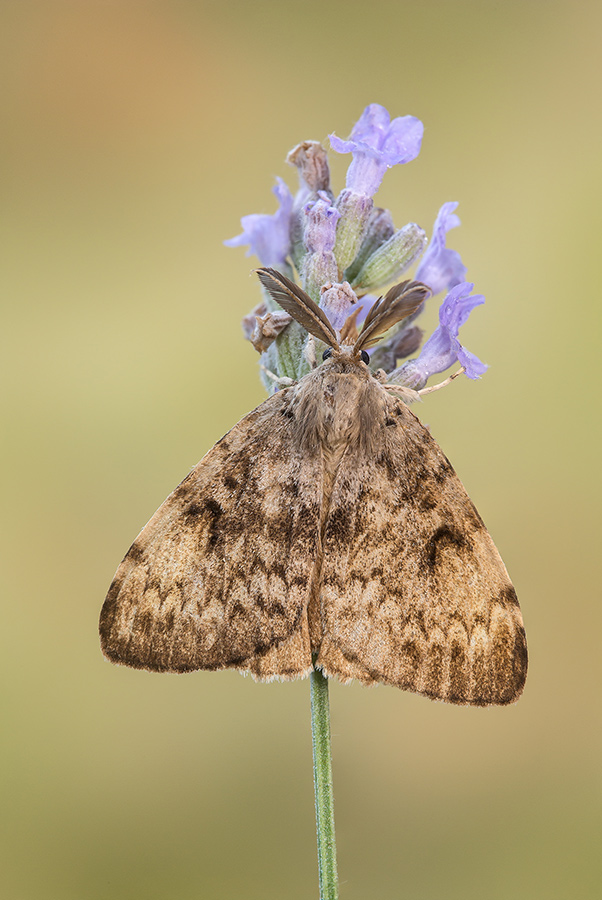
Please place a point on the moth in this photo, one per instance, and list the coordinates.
(326, 528)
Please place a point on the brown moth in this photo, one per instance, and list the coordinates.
(326, 527)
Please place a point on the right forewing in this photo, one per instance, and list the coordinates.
(414, 591)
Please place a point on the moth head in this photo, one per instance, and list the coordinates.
(346, 350)
(398, 303)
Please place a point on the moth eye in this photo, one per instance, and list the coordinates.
(364, 357)
(327, 353)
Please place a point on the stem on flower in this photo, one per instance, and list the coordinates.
(320, 732)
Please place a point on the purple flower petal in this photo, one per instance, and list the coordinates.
(443, 347)
(268, 237)
(442, 269)
(377, 143)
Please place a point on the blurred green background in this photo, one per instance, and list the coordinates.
(135, 136)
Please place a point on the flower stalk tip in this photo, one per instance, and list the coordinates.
(344, 248)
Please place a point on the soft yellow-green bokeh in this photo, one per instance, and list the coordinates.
(135, 136)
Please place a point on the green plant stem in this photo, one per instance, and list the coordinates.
(320, 732)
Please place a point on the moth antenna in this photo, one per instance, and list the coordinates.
(398, 303)
(298, 304)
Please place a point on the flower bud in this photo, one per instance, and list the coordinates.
(267, 328)
(338, 301)
(311, 161)
(402, 344)
(392, 258)
(355, 210)
(379, 229)
(319, 264)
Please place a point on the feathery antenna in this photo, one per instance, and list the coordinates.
(298, 304)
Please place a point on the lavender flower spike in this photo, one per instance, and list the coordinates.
(442, 269)
(443, 347)
(268, 237)
(377, 143)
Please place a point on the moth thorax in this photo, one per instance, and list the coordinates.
(339, 408)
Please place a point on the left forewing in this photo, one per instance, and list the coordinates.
(219, 576)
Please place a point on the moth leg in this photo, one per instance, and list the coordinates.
(404, 393)
(408, 395)
(281, 382)
(309, 351)
(442, 384)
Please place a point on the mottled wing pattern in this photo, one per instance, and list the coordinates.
(415, 593)
(219, 576)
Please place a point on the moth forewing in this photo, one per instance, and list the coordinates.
(218, 578)
(326, 524)
(414, 592)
